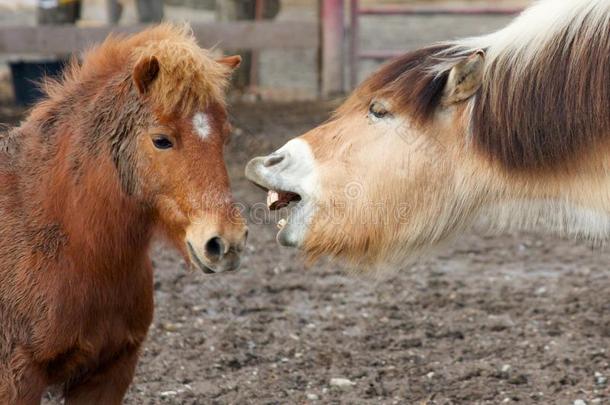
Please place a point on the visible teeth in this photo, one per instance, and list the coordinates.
(272, 198)
(281, 224)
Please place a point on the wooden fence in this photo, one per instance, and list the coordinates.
(63, 39)
(337, 44)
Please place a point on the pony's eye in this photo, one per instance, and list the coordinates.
(162, 142)
(378, 111)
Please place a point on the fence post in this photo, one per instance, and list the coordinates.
(354, 34)
(115, 10)
(332, 41)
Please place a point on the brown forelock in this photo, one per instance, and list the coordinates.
(189, 77)
(557, 108)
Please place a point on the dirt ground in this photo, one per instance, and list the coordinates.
(516, 318)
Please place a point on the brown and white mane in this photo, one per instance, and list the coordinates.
(545, 95)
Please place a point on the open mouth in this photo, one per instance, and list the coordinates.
(281, 199)
(289, 178)
(291, 209)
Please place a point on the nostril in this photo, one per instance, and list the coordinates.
(214, 249)
(273, 160)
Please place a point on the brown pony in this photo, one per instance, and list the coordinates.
(128, 142)
(511, 129)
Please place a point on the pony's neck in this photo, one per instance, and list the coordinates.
(75, 186)
(99, 227)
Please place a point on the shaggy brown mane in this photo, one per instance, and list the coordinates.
(189, 77)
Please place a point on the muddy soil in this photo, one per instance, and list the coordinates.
(516, 318)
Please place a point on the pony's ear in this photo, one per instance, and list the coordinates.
(145, 72)
(232, 62)
(464, 79)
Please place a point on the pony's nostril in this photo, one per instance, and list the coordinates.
(215, 249)
(273, 160)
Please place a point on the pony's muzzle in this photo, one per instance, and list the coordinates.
(217, 254)
(222, 255)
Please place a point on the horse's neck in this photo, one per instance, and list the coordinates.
(573, 205)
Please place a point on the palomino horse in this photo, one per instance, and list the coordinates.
(128, 142)
(511, 128)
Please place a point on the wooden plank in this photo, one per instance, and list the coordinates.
(259, 35)
(438, 10)
(333, 39)
(229, 35)
(354, 45)
(380, 54)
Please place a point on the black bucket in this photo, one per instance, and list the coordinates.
(27, 76)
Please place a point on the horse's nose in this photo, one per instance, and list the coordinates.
(223, 253)
(274, 159)
(260, 168)
(214, 249)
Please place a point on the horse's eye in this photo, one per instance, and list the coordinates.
(162, 142)
(377, 110)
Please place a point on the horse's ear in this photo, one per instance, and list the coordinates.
(232, 62)
(464, 79)
(145, 72)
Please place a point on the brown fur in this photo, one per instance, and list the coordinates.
(82, 191)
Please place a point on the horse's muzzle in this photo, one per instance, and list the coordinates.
(290, 174)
